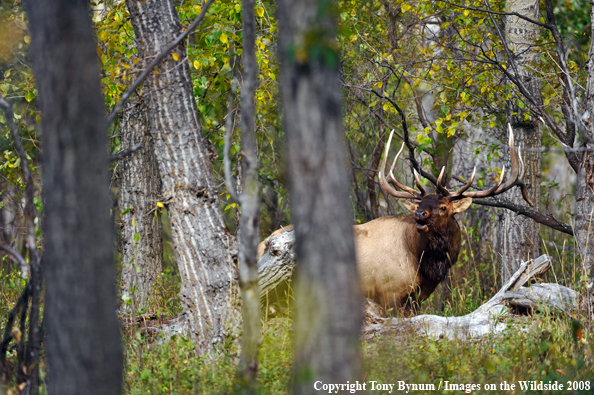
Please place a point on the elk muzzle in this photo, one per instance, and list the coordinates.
(421, 216)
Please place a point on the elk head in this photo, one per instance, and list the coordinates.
(433, 211)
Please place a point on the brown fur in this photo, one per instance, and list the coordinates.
(397, 260)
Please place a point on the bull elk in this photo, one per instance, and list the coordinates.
(405, 257)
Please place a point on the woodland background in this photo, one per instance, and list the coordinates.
(449, 76)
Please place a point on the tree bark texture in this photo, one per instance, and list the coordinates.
(141, 228)
(205, 253)
(328, 299)
(519, 238)
(584, 197)
(83, 338)
(250, 208)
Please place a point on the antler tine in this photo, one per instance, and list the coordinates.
(398, 183)
(460, 191)
(515, 171)
(516, 178)
(487, 192)
(421, 189)
(520, 181)
(443, 190)
(522, 167)
(382, 178)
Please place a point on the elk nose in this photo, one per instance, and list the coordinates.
(421, 214)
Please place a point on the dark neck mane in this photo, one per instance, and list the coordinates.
(436, 259)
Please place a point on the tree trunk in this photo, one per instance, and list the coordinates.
(519, 238)
(141, 228)
(328, 300)
(250, 208)
(584, 197)
(83, 339)
(205, 253)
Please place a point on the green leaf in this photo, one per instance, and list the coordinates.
(38, 204)
(136, 237)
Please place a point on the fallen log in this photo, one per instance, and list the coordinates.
(488, 318)
(277, 264)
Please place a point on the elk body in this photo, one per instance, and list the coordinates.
(405, 257)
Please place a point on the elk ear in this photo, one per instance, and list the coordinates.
(410, 206)
(461, 205)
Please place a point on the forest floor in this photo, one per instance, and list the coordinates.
(547, 348)
(536, 348)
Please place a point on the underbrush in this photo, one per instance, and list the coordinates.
(543, 349)
(170, 367)
(538, 348)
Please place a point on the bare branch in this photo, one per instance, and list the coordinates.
(546, 220)
(147, 71)
(126, 152)
(490, 12)
(18, 258)
(29, 193)
(226, 160)
(8, 334)
(568, 89)
(31, 354)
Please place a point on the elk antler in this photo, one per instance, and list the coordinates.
(517, 178)
(408, 193)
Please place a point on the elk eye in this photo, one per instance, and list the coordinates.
(442, 208)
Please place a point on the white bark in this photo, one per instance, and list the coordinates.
(278, 262)
(206, 255)
(141, 229)
(519, 237)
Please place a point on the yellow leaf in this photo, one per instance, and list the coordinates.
(126, 65)
(196, 64)
(198, 9)
(224, 39)
(466, 12)
(260, 11)
(175, 56)
(405, 7)
(160, 204)
(27, 40)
